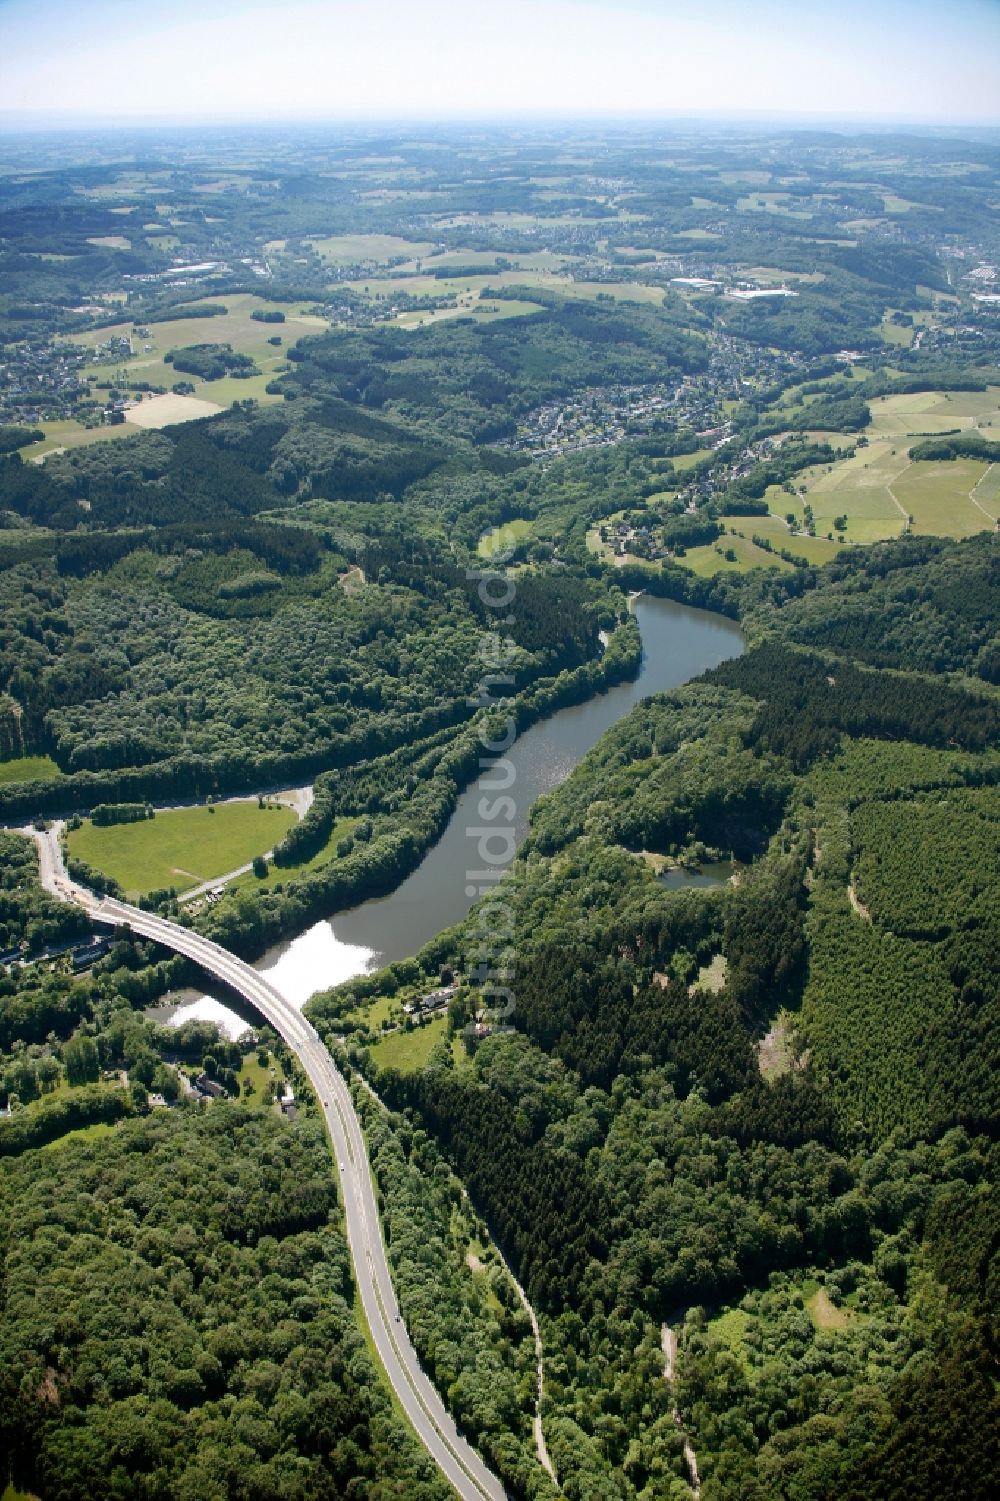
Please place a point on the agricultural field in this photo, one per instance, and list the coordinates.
(511, 219)
(470, 306)
(697, 234)
(235, 327)
(684, 461)
(163, 411)
(348, 250)
(938, 496)
(894, 333)
(181, 847)
(925, 413)
(622, 291)
(66, 432)
(858, 488)
(731, 554)
(536, 260)
(774, 527)
(987, 492)
(468, 289)
(879, 488)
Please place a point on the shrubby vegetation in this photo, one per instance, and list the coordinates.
(28, 915)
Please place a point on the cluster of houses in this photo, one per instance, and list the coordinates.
(40, 381)
(602, 415)
(436, 1000)
(426, 1005)
(592, 418)
(628, 540)
(83, 952)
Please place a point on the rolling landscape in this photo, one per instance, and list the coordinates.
(499, 802)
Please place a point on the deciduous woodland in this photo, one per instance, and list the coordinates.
(735, 1141)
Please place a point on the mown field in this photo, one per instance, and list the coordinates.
(939, 497)
(470, 291)
(341, 829)
(66, 432)
(743, 552)
(484, 310)
(181, 847)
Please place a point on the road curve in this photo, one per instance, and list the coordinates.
(456, 1459)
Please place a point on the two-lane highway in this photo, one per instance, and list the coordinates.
(457, 1460)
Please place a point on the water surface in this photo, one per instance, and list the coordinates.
(678, 643)
(711, 873)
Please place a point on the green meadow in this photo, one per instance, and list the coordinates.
(408, 1051)
(181, 847)
(504, 536)
(28, 769)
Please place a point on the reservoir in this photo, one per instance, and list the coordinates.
(678, 643)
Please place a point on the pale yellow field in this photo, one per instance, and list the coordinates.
(929, 412)
(161, 411)
(622, 291)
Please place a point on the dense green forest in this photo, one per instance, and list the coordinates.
(747, 1112)
(178, 1322)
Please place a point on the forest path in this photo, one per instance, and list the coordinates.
(668, 1344)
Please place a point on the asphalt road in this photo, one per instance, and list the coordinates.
(456, 1459)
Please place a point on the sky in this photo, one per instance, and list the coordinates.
(106, 61)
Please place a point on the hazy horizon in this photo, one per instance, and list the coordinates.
(878, 62)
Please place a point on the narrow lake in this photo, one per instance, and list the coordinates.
(678, 643)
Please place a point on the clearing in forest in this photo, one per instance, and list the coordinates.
(181, 847)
